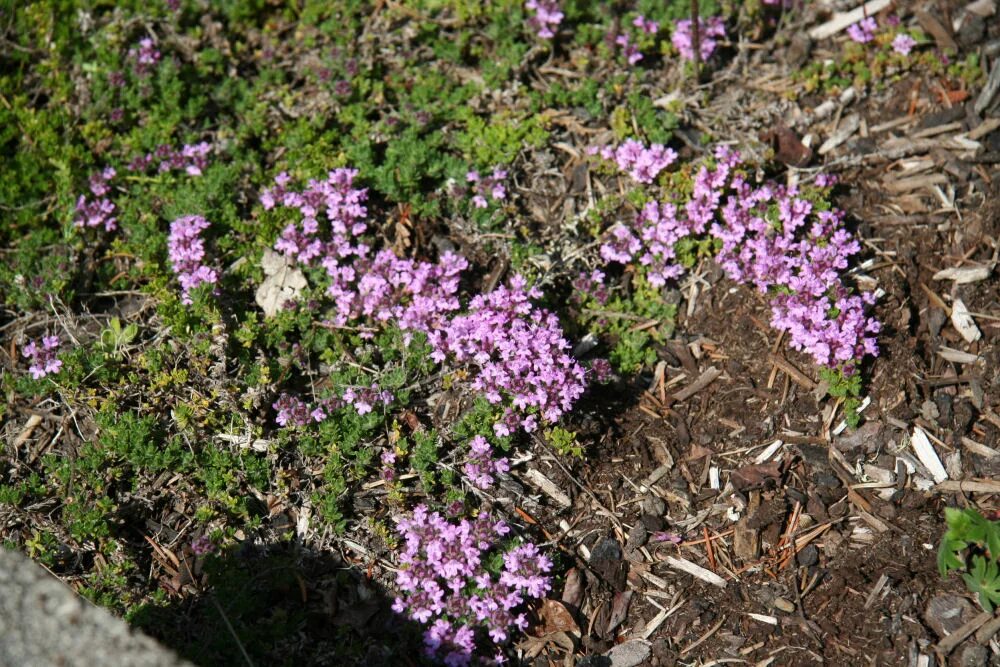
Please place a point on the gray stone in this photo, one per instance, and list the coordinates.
(946, 613)
(973, 655)
(43, 622)
(653, 505)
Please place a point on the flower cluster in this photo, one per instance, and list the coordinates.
(191, 158)
(771, 238)
(863, 31)
(545, 18)
(99, 211)
(491, 185)
(629, 48)
(657, 228)
(445, 583)
(591, 286)
(344, 207)
(641, 163)
(481, 466)
(203, 545)
(293, 411)
(364, 399)
(186, 250)
(144, 56)
(43, 357)
(520, 352)
(709, 30)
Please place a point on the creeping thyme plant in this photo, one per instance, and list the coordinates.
(296, 285)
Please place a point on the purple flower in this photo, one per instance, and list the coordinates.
(708, 30)
(144, 56)
(545, 18)
(863, 31)
(443, 581)
(768, 237)
(903, 44)
(629, 50)
(519, 351)
(648, 26)
(186, 250)
(642, 164)
(481, 466)
(43, 357)
(487, 186)
(203, 545)
(97, 212)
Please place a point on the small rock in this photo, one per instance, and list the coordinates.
(943, 402)
(630, 653)
(606, 561)
(973, 655)
(947, 613)
(808, 556)
(653, 505)
(866, 438)
(636, 537)
(784, 605)
(653, 523)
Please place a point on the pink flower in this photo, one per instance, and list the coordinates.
(903, 44)
(709, 29)
(863, 31)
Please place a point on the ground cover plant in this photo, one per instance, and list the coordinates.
(470, 333)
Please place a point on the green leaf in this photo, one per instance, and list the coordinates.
(948, 555)
(984, 579)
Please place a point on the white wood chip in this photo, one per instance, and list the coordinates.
(770, 620)
(848, 127)
(925, 452)
(841, 21)
(548, 487)
(964, 274)
(963, 321)
(713, 478)
(696, 571)
(769, 452)
(957, 356)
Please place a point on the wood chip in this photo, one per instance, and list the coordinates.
(848, 127)
(948, 644)
(965, 274)
(925, 452)
(769, 452)
(970, 486)
(841, 21)
(655, 623)
(964, 323)
(696, 571)
(957, 356)
(936, 130)
(770, 620)
(548, 487)
(984, 128)
(706, 378)
(901, 185)
(746, 541)
(980, 449)
(701, 640)
(940, 33)
(985, 633)
(879, 585)
(29, 426)
(990, 90)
